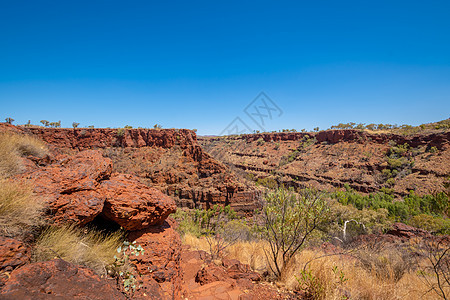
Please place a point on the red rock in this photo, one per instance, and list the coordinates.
(199, 180)
(405, 231)
(69, 186)
(231, 270)
(13, 254)
(57, 279)
(210, 273)
(161, 260)
(236, 270)
(87, 138)
(133, 205)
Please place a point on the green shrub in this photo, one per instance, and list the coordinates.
(120, 131)
(289, 221)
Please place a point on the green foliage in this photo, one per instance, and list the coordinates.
(435, 205)
(289, 221)
(128, 127)
(268, 182)
(120, 131)
(307, 141)
(121, 267)
(54, 124)
(340, 275)
(75, 124)
(433, 149)
(157, 126)
(437, 225)
(311, 285)
(45, 123)
(9, 120)
(260, 141)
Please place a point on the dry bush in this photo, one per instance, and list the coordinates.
(434, 265)
(386, 262)
(82, 246)
(20, 209)
(361, 282)
(13, 146)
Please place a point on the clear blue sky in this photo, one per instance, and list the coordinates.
(198, 64)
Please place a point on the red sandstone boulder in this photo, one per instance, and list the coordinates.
(57, 279)
(237, 270)
(69, 186)
(160, 262)
(133, 205)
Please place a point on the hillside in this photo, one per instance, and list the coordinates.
(367, 162)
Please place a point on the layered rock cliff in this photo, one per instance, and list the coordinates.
(168, 159)
(330, 159)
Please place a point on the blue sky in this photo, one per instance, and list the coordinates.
(198, 64)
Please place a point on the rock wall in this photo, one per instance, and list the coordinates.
(333, 158)
(168, 159)
(438, 140)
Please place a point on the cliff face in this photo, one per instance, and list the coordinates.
(330, 159)
(168, 159)
(87, 138)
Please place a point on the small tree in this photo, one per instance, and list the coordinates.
(45, 123)
(9, 120)
(157, 126)
(75, 125)
(289, 220)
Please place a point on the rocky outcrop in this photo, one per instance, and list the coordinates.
(81, 187)
(89, 138)
(77, 189)
(407, 232)
(160, 262)
(133, 205)
(57, 279)
(438, 140)
(69, 186)
(168, 159)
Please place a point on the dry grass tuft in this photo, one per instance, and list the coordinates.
(13, 146)
(336, 277)
(82, 246)
(20, 209)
